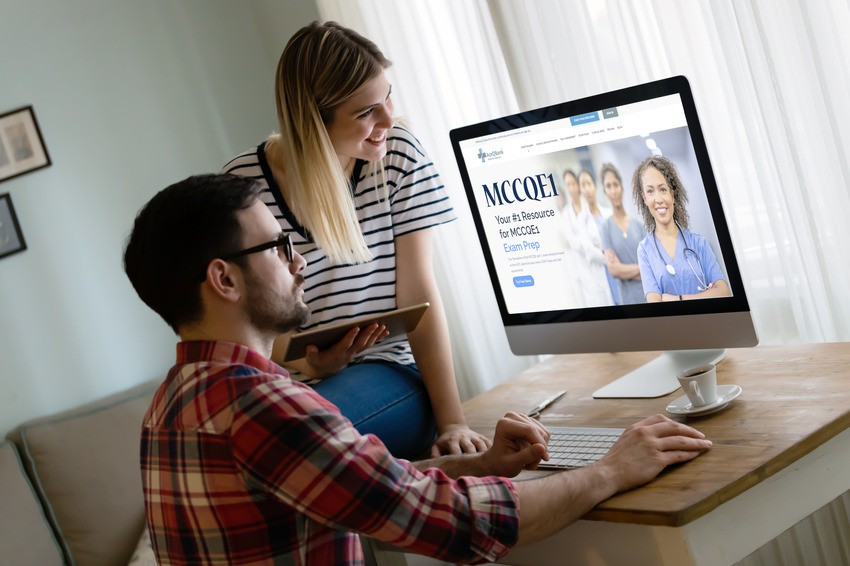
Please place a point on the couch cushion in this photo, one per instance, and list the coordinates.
(25, 535)
(84, 464)
(144, 554)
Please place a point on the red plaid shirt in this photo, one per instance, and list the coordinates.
(241, 465)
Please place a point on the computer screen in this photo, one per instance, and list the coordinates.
(603, 231)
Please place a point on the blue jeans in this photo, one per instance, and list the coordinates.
(385, 399)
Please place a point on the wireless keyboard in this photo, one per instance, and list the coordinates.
(574, 447)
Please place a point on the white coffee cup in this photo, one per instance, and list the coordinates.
(700, 384)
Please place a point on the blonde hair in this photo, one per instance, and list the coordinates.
(308, 87)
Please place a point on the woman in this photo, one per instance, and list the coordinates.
(596, 254)
(621, 235)
(570, 207)
(585, 247)
(675, 263)
(358, 194)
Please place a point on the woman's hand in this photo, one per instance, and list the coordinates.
(324, 363)
(460, 439)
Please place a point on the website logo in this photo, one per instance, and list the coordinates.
(485, 155)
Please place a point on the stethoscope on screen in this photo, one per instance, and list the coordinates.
(703, 284)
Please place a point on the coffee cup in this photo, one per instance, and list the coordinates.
(700, 384)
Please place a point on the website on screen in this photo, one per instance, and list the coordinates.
(565, 225)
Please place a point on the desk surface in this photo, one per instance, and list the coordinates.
(794, 399)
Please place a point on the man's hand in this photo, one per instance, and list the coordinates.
(519, 443)
(324, 363)
(647, 447)
(459, 439)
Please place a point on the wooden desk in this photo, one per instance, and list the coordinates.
(781, 451)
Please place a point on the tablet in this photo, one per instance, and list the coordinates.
(399, 321)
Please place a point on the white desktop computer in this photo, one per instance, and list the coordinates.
(575, 267)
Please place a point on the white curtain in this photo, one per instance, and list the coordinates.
(772, 87)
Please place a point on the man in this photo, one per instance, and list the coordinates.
(242, 465)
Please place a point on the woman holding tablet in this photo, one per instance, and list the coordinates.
(359, 196)
(675, 263)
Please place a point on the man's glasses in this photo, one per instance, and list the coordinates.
(282, 242)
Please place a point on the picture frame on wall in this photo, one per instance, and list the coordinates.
(11, 237)
(22, 148)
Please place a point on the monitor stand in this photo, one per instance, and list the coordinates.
(658, 377)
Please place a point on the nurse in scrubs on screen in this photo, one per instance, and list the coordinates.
(675, 263)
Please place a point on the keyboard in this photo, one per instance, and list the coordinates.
(574, 447)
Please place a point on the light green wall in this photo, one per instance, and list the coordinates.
(130, 96)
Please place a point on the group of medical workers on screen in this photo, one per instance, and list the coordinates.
(644, 251)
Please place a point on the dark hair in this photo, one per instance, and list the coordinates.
(175, 236)
(589, 174)
(671, 175)
(609, 168)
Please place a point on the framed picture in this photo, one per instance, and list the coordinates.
(21, 148)
(11, 237)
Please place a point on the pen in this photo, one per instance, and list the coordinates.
(535, 412)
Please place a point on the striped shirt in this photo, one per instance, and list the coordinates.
(417, 200)
(242, 465)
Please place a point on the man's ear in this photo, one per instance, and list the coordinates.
(225, 280)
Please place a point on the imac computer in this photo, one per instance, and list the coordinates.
(577, 266)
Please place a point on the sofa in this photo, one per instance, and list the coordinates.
(70, 486)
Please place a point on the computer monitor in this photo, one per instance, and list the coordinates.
(546, 254)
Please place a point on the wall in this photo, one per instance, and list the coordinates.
(130, 96)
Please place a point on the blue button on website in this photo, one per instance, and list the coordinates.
(523, 281)
(584, 118)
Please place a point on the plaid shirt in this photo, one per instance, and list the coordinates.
(241, 465)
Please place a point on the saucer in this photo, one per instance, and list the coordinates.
(725, 395)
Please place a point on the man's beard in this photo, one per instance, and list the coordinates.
(272, 311)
